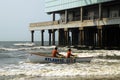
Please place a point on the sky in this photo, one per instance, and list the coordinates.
(15, 17)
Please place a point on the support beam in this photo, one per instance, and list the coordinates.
(75, 36)
(118, 35)
(100, 27)
(66, 16)
(32, 36)
(66, 36)
(105, 33)
(95, 37)
(49, 31)
(53, 37)
(61, 37)
(53, 16)
(81, 14)
(42, 38)
(81, 35)
(99, 36)
(69, 38)
(100, 11)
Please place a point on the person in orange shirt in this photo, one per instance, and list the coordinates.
(55, 53)
(69, 53)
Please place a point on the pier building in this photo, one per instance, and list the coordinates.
(83, 23)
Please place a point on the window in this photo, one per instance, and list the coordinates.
(114, 13)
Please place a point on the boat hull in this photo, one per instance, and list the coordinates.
(48, 59)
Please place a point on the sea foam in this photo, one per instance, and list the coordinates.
(59, 70)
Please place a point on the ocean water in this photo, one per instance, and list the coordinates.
(14, 65)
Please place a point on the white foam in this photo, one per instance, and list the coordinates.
(97, 67)
(77, 69)
(8, 49)
(28, 48)
(24, 44)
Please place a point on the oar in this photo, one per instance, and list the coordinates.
(74, 56)
(61, 56)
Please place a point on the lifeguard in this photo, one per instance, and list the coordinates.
(55, 53)
(69, 53)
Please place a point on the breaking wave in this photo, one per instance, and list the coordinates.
(26, 48)
(24, 44)
(95, 68)
(105, 63)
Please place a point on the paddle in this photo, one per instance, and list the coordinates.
(74, 56)
(61, 56)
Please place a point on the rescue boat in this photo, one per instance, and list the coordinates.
(47, 58)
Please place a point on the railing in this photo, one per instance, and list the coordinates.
(44, 23)
(50, 23)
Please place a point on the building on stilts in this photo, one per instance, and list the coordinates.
(82, 23)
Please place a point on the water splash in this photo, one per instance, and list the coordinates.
(97, 67)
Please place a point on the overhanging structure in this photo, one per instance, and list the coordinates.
(93, 23)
